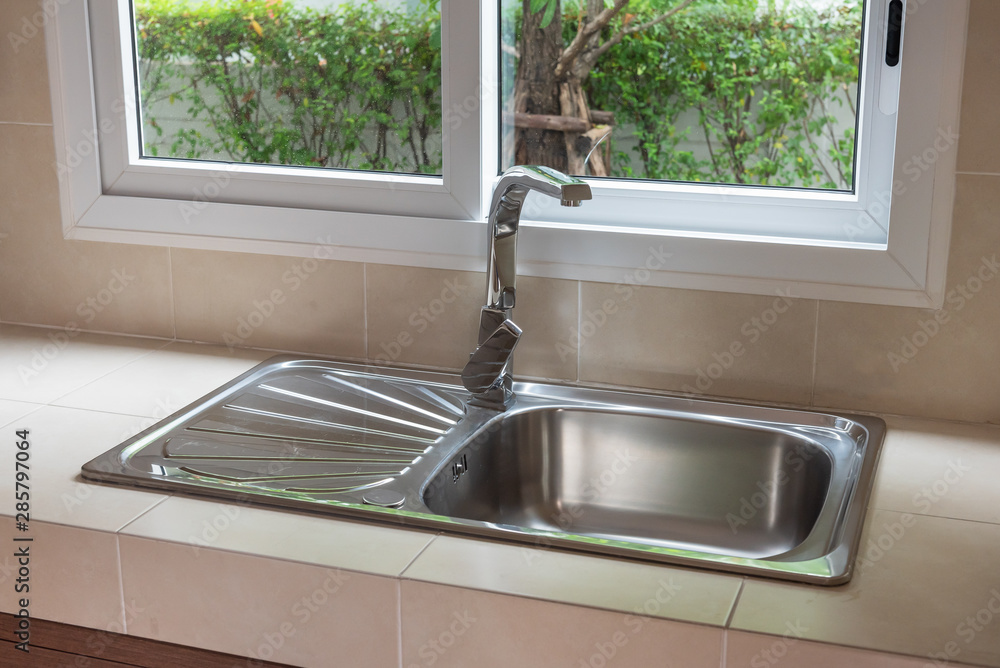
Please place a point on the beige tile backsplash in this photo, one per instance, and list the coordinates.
(422, 316)
(269, 301)
(826, 354)
(697, 342)
(977, 151)
(24, 81)
(47, 280)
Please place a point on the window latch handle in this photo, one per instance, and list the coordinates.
(894, 33)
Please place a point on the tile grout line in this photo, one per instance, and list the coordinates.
(144, 512)
(100, 411)
(947, 518)
(121, 570)
(101, 332)
(102, 377)
(27, 124)
(399, 622)
(736, 602)
(815, 358)
(364, 305)
(121, 583)
(728, 624)
(170, 292)
(579, 322)
(37, 407)
(417, 556)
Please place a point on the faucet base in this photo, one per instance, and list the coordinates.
(498, 398)
(487, 374)
(481, 401)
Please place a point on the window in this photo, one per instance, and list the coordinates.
(736, 92)
(817, 241)
(310, 83)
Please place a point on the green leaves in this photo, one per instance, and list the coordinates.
(548, 6)
(435, 40)
(356, 87)
(729, 93)
(359, 87)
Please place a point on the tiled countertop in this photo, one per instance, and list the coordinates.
(316, 591)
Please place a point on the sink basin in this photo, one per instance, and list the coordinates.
(743, 491)
(749, 489)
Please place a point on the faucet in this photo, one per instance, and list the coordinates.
(487, 375)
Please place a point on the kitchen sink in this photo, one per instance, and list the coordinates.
(749, 489)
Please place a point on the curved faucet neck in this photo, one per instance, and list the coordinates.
(504, 219)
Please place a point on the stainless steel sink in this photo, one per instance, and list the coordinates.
(749, 489)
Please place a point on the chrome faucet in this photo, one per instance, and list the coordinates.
(487, 375)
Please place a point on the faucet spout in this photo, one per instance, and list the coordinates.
(487, 375)
(504, 219)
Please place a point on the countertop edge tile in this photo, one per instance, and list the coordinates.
(439, 563)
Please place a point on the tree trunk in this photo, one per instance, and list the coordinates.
(574, 103)
(539, 91)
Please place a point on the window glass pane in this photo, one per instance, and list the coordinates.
(757, 92)
(318, 83)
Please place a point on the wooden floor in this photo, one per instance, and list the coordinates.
(56, 645)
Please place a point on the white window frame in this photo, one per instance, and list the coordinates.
(734, 239)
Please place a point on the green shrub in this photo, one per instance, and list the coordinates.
(763, 85)
(360, 88)
(287, 85)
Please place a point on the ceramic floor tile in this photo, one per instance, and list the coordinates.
(940, 468)
(73, 575)
(753, 650)
(657, 591)
(11, 411)
(164, 381)
(323, 541)
(923, 586)
(261, 608)
(451, 627)
(41, 365)
(63, 440)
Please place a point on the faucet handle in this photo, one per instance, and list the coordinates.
(486, 365)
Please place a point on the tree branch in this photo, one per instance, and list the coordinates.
(548, 122)
(592, 56)
(588, 30)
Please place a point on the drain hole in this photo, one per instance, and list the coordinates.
(387, 498)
